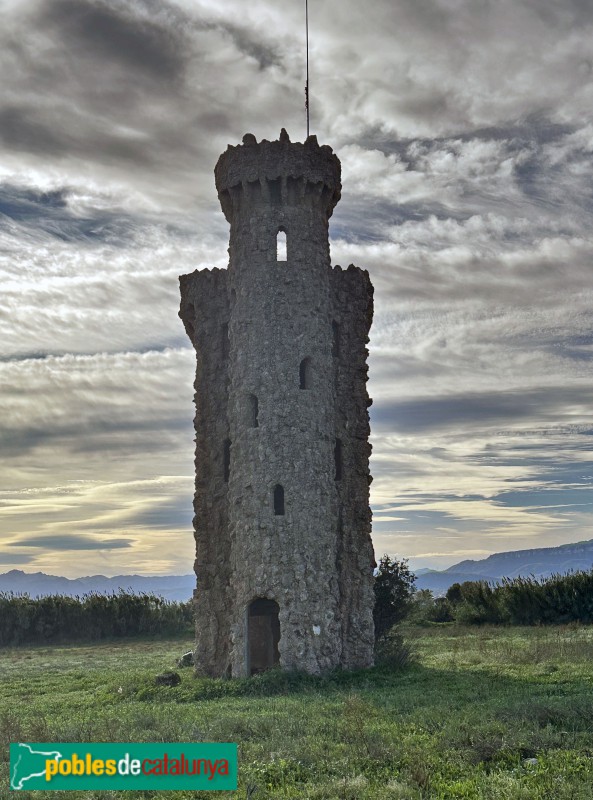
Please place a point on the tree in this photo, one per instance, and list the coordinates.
(454, 594)
(394, 587)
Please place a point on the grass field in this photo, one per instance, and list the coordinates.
(488, 713)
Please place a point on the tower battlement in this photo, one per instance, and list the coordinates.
(278, 173)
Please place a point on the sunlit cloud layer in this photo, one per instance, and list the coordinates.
(466, 141)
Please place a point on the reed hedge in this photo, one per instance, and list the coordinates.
(91, 617)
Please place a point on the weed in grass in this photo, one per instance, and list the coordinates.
(420, 775)
(570, 714)
(351, 788)
(398, 790)
(355, 717)
(393, 653)
(11, 727)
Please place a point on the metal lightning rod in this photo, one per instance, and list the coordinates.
(307, 82)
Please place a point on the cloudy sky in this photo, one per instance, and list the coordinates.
(465, 134)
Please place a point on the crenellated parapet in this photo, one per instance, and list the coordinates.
(279, 173)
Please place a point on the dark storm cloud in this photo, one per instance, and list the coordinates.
(473, 410)
(95, 435)
(248, 43)
(518, 134)
(17, 558)
(25, 129)
(129, 437)
(528, 456)
(116, 34)
(44, 132)
(168, 514)
(564, 498)
(71, 541)
(19, 441)
(564, 16)
(124, 84)
(99, 81)
(25, 204)
(49, 212)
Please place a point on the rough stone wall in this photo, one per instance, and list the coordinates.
(316, 559)
(352, 303)
(205, 315)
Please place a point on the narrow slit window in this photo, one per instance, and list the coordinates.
(336, 339)
(224, 339)
(226, 460)
(338, 459)
(253, 411)
(305, 373)
(281, 252)
(279, 500)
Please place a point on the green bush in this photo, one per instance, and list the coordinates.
(480, 604)
(524, 601)
(424, 608)
(394, 588)
(58, 618)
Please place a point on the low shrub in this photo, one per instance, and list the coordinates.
(392, 652)
(59, 618)
(559, 599)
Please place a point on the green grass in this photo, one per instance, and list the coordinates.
(485, 713)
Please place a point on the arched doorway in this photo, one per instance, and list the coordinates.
(263, 635)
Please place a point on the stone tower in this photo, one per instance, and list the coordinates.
(282, 519)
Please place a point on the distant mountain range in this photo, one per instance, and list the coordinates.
(38, 584)
(541, 563)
